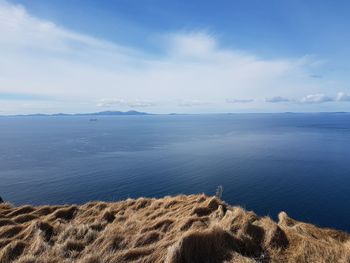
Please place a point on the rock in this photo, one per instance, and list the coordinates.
(1, 201)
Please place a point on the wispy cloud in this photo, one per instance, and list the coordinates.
(107, 103)
(23, 96)
(20, 30)
(41, 57)
(193, 103)
(341, 96)
(191, 44)
(316, 98)
(233, 101)
(277, 99)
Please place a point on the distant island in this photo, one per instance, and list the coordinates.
(101, 113)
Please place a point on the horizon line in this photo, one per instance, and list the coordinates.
(138, 113)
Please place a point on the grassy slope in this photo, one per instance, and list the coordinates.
(194, 228)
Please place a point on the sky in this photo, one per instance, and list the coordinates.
(174, 56)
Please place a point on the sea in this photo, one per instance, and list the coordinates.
(293, 162)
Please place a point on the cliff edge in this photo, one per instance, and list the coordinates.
(179, 229)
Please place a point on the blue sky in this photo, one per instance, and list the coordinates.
(174, 56)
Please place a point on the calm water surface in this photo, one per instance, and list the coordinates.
(299, 163)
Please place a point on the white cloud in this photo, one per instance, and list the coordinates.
(316, 98)
(276, 99)
(341, 96)
(40, 57)
(191, 45)
(107, 103)
(233, 101)
(19, 30)
(193, 103)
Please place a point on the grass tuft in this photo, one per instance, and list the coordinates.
(179, 229)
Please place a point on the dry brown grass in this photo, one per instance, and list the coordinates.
(180, 229)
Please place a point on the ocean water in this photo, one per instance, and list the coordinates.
(298, 163)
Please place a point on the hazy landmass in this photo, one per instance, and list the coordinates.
(180, 229)
(132, 112)
(101, 113)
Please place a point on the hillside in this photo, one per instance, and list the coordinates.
(194, 228)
